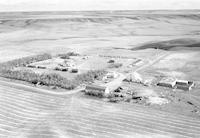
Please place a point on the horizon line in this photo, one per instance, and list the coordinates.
(101, 10)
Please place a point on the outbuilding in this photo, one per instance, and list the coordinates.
(111, 75)
(96, 90)
(41, 67)
(182, 82)
(184, 86)
(31, 66)
(74, 70)
(111, 61)
(167, 82)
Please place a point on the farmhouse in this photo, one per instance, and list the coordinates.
(167, 82)
(96, 90)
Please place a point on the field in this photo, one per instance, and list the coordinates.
(29, 113)
(82, 32)
(183, 65)
(166, 43)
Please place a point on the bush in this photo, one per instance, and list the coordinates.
(53, 79)
(90, 76)
(24, 61)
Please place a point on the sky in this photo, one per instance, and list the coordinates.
(85, 5)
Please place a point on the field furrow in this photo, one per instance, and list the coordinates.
(30, 114)
(95, 104)
(149, 117)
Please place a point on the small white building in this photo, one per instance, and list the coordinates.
(111, 75)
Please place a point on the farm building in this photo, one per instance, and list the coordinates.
(184, 85)
(134, 77)
(182, 82)
(111, 75)
(61, 69)
(70, 64)
(111, 61)
(167, 82)
(96, 90)
(137, 62)
(86, 57)
(64, 69)
(31, 66)
(128, 79)
(41, 67)
(74, 70)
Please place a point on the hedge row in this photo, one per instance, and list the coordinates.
(24, 61)
(52, 79)
(90, 76)
(67, 55)
(42, 79)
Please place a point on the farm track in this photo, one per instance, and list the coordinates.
(26, 114)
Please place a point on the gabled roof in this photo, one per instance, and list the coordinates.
(168, 80)
(97, 87)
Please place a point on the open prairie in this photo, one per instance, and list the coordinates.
(61, 31)
(154, 44)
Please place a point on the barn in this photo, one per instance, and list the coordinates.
(167, 82)
(96, 90)
(184, 85)
(74, 70)
(182, 82)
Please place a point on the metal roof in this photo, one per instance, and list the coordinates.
(97, 87)
(168, 80)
